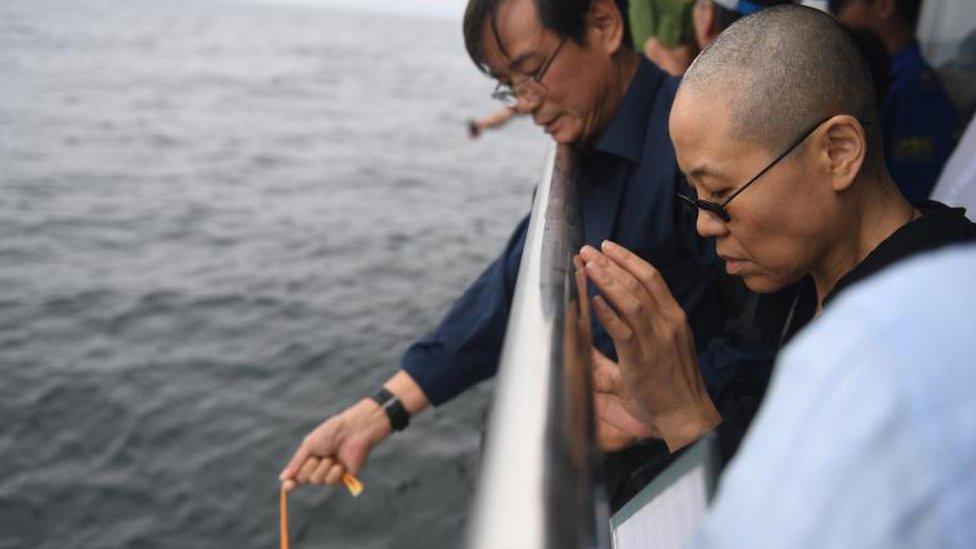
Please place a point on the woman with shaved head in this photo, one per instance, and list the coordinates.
(775, 126)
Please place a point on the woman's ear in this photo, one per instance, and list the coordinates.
(605, 26)
(843, 147)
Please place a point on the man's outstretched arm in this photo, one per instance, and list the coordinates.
(465, 347)
(461, 351)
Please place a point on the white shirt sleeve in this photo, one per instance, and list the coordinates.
(957, 183)
(867, 437)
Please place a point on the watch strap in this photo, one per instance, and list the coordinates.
(395, 411)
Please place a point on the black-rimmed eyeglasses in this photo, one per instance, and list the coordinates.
(531, 89)
(719, 208)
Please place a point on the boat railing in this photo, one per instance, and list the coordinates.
(537, 487)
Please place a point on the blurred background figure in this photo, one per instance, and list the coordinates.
(496, 119)
(957, 184)
(711, 17)
(876, 56)
(947, 33)
(663, 31)
(918, 119)
(671, 33)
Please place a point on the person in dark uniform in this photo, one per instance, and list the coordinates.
(917, 117)
(570, 66)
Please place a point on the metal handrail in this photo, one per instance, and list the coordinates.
(537, 487)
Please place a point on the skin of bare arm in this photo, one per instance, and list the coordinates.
(493, 120)
(496, 118)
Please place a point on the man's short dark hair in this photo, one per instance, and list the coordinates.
(567, 18)
(781, 70)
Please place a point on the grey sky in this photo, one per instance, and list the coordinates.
(441, 8)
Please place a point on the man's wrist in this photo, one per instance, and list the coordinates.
(374, 416)
(393, 407)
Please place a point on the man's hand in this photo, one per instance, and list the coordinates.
(338, 445)
(656, 349)
(342, 443)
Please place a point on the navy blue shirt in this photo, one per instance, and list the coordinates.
(918, 121)
(627, 194)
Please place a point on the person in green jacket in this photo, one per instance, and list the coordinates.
(663, 31)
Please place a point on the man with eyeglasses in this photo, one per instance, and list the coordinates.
(570, 66)
(776, 128)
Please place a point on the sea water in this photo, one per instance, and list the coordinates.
(219, 224)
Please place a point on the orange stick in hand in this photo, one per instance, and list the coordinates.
(351, 483)
(283, 516)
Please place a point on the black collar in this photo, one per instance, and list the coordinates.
(938, 226)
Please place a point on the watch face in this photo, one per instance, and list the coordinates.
(399, 417)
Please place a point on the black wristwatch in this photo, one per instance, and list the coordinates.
(398, 415)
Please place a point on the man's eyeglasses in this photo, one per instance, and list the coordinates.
(719, 208)
(531, 89)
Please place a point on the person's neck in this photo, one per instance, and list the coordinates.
(624, 67)
(878, 211)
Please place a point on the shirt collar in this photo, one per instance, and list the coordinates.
(627, 130)
(939, 225)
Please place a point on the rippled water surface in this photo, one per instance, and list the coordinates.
(220, 222)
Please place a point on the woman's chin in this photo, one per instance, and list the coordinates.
(762, 284)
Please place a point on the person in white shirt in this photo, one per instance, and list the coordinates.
(957, 183)
(867, 436)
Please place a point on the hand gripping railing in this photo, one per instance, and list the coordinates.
(537, 487)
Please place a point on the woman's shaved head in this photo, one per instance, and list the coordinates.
(782, 69)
